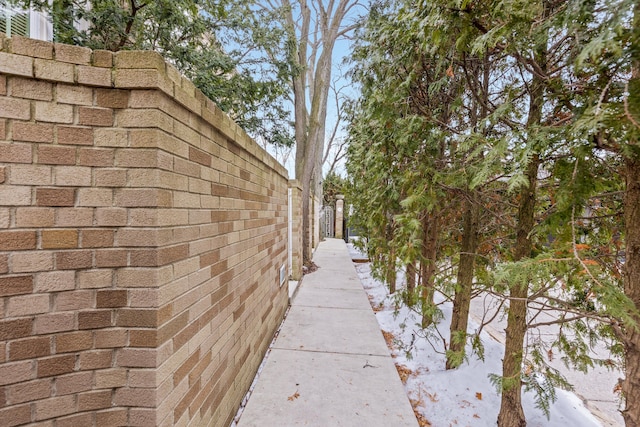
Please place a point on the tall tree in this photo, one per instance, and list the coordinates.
(314, 27)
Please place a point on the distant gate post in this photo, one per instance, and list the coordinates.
(339, 215)
(295, 228)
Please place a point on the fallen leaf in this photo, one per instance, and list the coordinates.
(476, 416)
(450, 71)
(479, 396)
(294, 396)
(433, 397)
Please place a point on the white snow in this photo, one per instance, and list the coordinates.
(464, 396)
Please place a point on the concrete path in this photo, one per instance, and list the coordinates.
(329, 365)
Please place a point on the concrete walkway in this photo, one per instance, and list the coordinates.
(329, 365)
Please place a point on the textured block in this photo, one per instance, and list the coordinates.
(16, 65)
(16, 153)
(32, 132)
(13, 108)
(93, 76)
(31, 47)
(72, 54)
(31, 89)
(53, 112)
(53, 70)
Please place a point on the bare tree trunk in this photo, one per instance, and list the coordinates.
(391, 270)
(464, 284)
(428, 266)
(409, 298)
(313, 81)
(511, 413)
(631, 339)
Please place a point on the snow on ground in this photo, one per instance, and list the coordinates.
(465, 396)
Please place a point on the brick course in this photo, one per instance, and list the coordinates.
(141, 237)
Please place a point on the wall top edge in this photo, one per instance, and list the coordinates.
(127, 69)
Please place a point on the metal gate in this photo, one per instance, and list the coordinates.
(327, 227)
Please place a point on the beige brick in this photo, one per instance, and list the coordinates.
(13, 108)
(73, 341)
(99, 359)
(73, 260)
(110, 338)
(56, 155)
(74, 383)
(27, 305)
(3, 127)
(55, 407)
(29, 391)
(32, 132)
(17, 240)
(74, 176)
(111, 177)
(72, 54)
(31, 89)
(95, 116)
(55, 281)
(30, 175)
(31, 47)
(111, 138)
(142, 198)
(112, 98)
(59, 239)
(11, 373)
(96, 157)
(102, 58)
(54, 323)
(137, 158)
(15, 196)
(16, 153)
(74, 217)
(5, 217)
(95, 197)
(140, 278)
(139, 59)
(108, 258)
(16, 65)
(35, 217)
(141, 397)
(92, 279)
(74, 300)
(111, 378)
(144, 118)
(71, 94)
(90, 401)
(109, 217)
(143, 297)
(26, 262)
(97, 238)
(75, 135)
(52, 112)
(55, 196)
(53, 70)
(94, 76)
(3, 90)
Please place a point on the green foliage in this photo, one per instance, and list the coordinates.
(333, 185)
(208, 41)
(446, 115)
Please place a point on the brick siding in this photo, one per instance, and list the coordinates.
(141, 237)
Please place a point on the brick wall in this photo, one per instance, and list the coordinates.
(141, 237)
